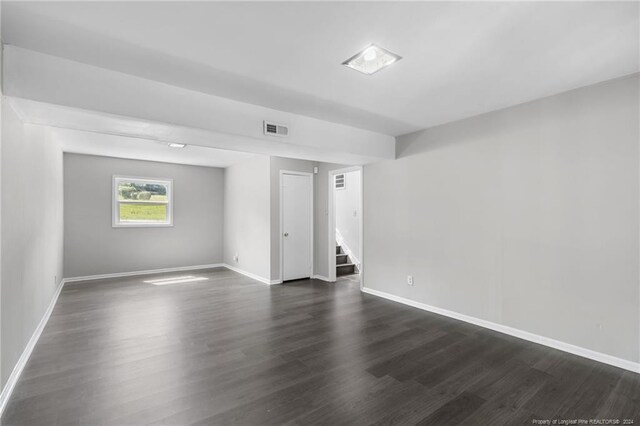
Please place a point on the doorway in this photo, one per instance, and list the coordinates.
(296, 225)
(345, 223)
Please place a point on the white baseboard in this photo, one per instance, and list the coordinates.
(546, 341)
(26, 353)
(253, 276)
(320, 277)
(148, 272)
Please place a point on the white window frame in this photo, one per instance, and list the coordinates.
(115, 213)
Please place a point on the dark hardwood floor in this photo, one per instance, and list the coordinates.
(230, 350)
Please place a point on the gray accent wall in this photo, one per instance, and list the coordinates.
(93, 247)
(526, 217)
(32, 232)
(247, 216)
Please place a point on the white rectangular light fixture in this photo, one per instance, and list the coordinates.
(177, 145)
(371, 59)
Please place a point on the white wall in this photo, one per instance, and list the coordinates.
(252, 214)
(247, 230)
(1, 103)
(94, 247)
(526, 217)
(32, 231)
(347, 203)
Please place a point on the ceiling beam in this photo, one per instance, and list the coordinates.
(84, 97)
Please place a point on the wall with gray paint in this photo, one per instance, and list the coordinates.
(247, 216)
(348, 214)
(32, 231)
(92, 246)
(526, 217)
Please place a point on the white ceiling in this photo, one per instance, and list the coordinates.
(106, 145)
(460, 58)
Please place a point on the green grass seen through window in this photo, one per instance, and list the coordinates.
(143, 213)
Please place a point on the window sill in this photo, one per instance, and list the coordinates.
(142, 225)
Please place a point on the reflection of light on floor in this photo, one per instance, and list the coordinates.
(176, 280)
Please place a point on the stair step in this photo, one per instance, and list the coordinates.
(345, 269)
(338, 250)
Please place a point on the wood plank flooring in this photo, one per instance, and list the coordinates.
(230, 350)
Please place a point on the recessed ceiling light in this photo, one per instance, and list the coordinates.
(371, 60)
(177, 145)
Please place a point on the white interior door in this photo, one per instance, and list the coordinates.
(296, 226)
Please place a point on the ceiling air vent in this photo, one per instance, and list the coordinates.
(273, 129)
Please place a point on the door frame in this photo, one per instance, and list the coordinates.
(331, 222)
(311, 228)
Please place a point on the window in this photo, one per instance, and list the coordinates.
(340, 182)
(142, 202)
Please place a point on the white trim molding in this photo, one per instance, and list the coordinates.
(321, 278)
(26, 353)
(251, 275)
(148, 272)
(542, 340)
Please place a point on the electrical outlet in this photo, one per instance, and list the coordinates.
(55, 280)
(409, 279)
(236, 257)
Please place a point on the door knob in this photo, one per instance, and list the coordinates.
(286, 234)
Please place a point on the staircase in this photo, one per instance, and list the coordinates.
(344, 266)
